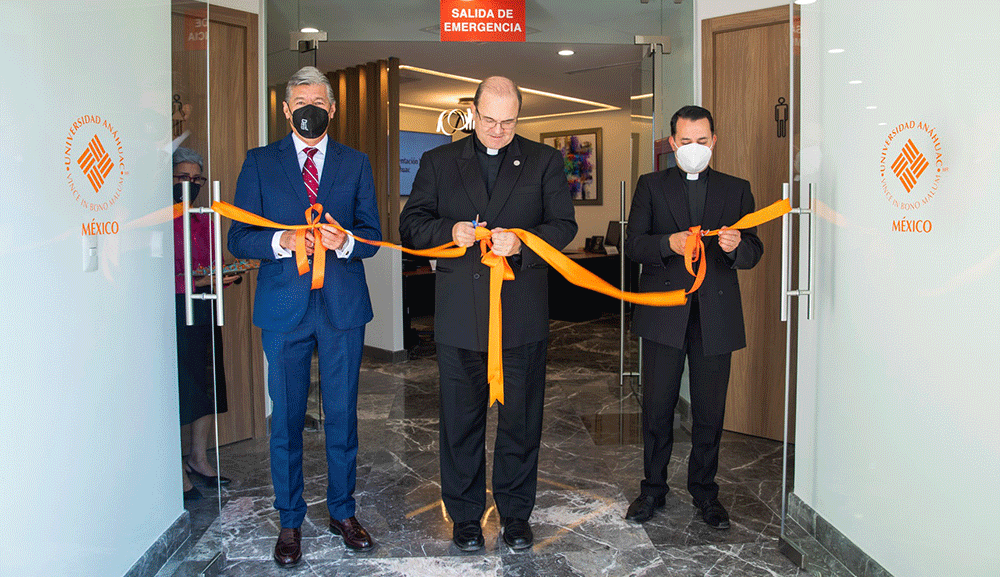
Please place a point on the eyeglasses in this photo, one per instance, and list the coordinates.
(489, 123)
(199, 180)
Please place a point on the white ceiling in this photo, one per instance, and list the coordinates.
(604, 68)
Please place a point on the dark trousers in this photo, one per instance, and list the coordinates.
(709, 378)
(464, 394)
(289, 357)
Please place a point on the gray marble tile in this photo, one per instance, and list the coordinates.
(743, 560)
(590, 465)
(399, 567)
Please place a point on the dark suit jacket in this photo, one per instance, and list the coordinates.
(659, 209)
(270, 185)
(530, 193)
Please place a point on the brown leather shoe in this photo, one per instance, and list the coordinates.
(288, 549)
(353, 533)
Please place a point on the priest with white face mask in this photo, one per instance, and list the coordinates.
(705, 331)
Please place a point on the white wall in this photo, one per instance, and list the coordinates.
(384, 273)
(616, 128)
(616, 163)
(898, 433)
(90, 468)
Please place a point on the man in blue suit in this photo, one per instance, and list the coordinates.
(279, 182)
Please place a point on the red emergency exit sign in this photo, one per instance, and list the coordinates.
(482, 21)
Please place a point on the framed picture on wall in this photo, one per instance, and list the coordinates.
(581, 150)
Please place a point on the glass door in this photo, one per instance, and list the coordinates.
(199, 280)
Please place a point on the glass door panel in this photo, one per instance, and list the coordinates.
(201, 375)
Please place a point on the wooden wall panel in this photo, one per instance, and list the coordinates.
(367, 119)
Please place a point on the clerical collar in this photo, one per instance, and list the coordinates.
(482, 147)
(692, 175)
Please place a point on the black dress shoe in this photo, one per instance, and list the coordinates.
(517, 533)
(641, 510)
(467, 536)
(211, 480)
(288, 549)
(714, 514)
(354, 534)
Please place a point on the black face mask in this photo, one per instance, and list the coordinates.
(310, 121)
(194, 191)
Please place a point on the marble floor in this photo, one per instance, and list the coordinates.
(589, 470)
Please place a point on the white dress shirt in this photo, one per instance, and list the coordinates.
(318, 158)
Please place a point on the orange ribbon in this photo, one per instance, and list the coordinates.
(694, 247)
(500, 269)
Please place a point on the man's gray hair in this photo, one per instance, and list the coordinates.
(187, 155)
(308, 75)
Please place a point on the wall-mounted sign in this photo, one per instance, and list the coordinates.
(482, 21)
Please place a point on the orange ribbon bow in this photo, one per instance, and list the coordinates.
(694, 247)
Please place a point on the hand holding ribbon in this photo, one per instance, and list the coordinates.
(500, 270)
(694, 247)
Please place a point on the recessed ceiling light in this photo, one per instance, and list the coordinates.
(835, 50)
(309, 29)
(871, 107)
(854, 82)
(803, 2)
(882, 123)
(566, 53)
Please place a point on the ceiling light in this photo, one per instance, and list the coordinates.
(599, 105)
(835, 50)
(855, 82)
(557, 114)
(804, 2)
(419, 107)
(308, 29)
(871, 107)
(641, 96)
(882, 123)
(566, 53)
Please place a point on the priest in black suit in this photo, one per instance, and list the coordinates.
(502, 180)
(706, 330)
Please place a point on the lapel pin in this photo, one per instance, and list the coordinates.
(517, 163)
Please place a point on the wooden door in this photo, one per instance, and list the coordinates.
(745, 73)
(233, 125)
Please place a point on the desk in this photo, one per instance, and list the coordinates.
(418, 300)
(568, 302)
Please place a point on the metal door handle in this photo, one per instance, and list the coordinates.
(805, 208)
(217, 242)
(186, 219)
(785, 248)
(216, 253)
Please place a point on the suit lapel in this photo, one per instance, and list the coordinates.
(715, 202)
(510, 171)
(676, 197)
(290, 164)
(331, 165)
(472, 177)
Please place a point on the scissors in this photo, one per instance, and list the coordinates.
(475, 223)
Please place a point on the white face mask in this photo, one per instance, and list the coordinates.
(693, 158)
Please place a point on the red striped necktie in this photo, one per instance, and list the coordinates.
(310, 175)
